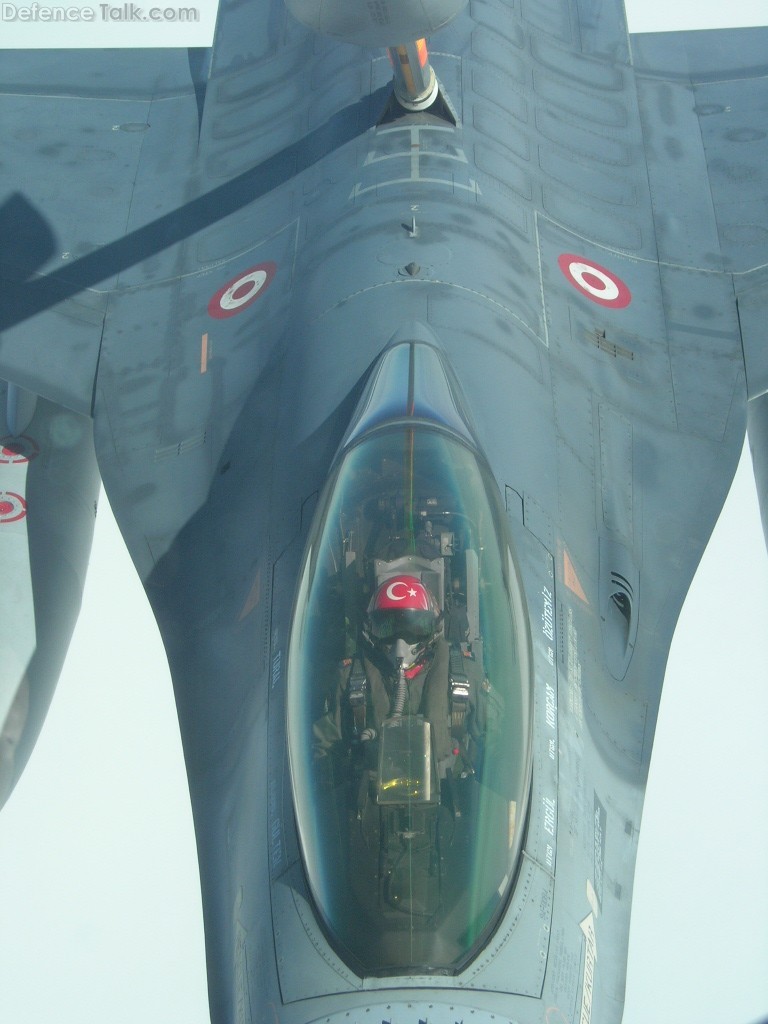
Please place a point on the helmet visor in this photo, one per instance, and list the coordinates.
(410, 624)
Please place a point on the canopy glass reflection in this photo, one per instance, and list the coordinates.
(409, 704)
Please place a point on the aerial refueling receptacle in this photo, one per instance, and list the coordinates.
(415, 82)
(386, 23)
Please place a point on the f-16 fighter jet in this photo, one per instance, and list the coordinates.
(416, 374)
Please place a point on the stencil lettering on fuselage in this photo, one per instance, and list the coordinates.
(575, 699)
(600, 818)
(590, 958)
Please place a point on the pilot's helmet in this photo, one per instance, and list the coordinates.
(403, 619)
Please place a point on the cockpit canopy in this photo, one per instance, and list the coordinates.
(409, 734)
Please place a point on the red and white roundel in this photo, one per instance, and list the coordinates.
(12, 507)
(238, 294)
(594, 281)
(15, 450)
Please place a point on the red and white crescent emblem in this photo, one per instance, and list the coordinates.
(243, 290)
(12, 507)
(599, 284)
(401, 595)
(402, 592)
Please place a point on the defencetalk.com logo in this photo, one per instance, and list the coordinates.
(128, 12)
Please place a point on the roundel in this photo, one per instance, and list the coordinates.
(15, 450)
(243, 290)
(599, 284)
(12, 507)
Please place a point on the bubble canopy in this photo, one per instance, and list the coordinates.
(410, 761)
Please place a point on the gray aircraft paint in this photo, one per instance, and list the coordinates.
(614, 436)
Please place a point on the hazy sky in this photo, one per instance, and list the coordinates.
(99, 902)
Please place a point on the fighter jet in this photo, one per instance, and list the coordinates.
(416, 375)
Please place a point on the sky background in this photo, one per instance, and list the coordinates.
(99, 903)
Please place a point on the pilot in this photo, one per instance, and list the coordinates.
(400, 668)
(405, 659)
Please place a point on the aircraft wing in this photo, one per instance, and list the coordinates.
(137, 177)
(76, 127)
(79, 124)
(702, 96)
(702, 101)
